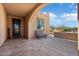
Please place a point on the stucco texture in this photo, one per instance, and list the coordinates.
(2, 25)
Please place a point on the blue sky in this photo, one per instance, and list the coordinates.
(61, 14)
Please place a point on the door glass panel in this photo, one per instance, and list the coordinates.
(16, 27)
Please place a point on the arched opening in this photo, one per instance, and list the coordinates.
(63, 20)
(31, 20)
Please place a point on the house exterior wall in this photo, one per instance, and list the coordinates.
(3, 26)
(26, 20)
(46, 21)
(31, 28)
(33, 24)
(28, 26)
(24, 25)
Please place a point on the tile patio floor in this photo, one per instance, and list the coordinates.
(39, 47)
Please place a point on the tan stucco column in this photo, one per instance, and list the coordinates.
(3, 25)
(32, 28)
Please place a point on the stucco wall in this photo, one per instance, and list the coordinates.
(2, 25)
(33, 24)
(71, 36)
(31, 27)
(45, 17)
(27, 25)
(26, 19)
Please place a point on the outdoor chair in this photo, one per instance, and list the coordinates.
(40, 34)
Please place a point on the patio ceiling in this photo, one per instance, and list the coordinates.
(19, 9)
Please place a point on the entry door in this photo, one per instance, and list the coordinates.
(16, 28)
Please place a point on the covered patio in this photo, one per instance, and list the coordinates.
(50, 46)
(26, 44)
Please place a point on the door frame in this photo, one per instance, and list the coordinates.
(19, 28)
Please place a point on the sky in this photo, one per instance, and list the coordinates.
(61, 14)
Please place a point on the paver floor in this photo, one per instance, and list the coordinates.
(39, 47)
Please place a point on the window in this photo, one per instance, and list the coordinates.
(40, 24)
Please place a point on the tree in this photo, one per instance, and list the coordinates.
(52, 28)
